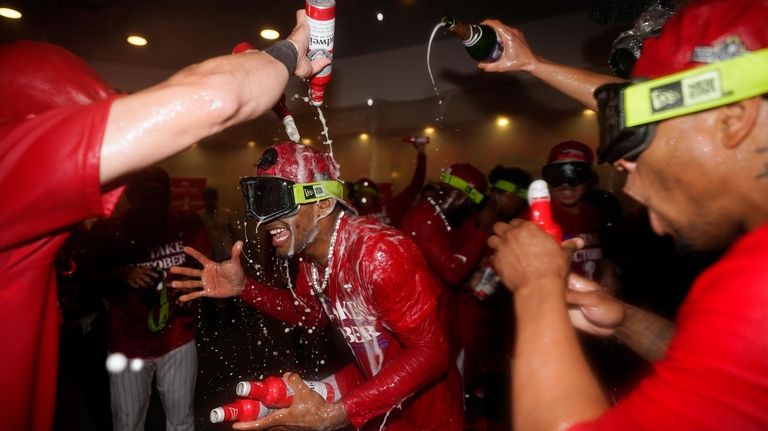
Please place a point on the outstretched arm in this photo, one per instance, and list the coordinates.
(579, 84)
(198, 101)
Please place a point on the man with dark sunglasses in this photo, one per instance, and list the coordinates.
(690, 131)
(366, 277)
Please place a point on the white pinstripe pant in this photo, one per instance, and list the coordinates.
(176, 373)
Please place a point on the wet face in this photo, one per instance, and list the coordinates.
(568, 196)
(293, 234)
(679, 178)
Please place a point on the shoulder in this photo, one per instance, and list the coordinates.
(372, 238)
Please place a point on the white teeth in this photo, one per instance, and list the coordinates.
(276, 231)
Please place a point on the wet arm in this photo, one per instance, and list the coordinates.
(425, 358)
(647, 334)
(553, 386)
(304, 309)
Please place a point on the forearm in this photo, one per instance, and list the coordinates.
(645, 333)
(553, 386)
(425, 358)
(282, 305)
(578, 84)
(200, 100)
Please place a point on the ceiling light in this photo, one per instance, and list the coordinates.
(370, 102)
(502, 121)
(364, 136)
(379, 16)
(429, 130)
(251, 144)
(9, 13)
(306, 141)
(587, 112)
(269, 34)
(136, 40)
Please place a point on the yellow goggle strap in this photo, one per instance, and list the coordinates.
(697, 89)
(474, 195)
(511, 187)
(305, 193)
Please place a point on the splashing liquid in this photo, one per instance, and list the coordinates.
(328, 140)
(429, 53)
(429, 69)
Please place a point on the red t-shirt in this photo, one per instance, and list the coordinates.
(135, 239)
(715, 374)
(383, 298)
(585, 224)
(49, 180)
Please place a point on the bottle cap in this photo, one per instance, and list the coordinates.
(243, 389)
(538, 190)
(217, 415)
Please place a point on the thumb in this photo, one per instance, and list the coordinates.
(237, 249)
(581, 284)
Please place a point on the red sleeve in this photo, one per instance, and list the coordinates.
(424, 359)
(452, 265)
(398, 205)
(49, 172)
(715, 375)
(406, 297)
(303, 309)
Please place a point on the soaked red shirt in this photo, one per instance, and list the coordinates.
(383, 299)
(49, 180)
(715, 374)
(451, 254)
(132, 240)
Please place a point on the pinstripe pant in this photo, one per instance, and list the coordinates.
(176, 373)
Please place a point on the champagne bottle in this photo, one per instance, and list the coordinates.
(481, 41)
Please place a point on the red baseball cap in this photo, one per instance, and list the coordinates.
(704, 32)
(40, 76)
(570, 151)
(299, 163)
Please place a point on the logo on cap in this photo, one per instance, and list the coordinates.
(728, 48)
(689, 91)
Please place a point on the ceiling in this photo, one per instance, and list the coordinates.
(182, 32)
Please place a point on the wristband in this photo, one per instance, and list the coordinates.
(284, 52)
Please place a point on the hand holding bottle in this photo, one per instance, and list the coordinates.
(517, 53)
(307, 411)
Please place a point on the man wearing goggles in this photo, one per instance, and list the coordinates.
(701, 171)
(367, 278)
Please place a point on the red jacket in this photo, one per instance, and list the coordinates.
(384, 300)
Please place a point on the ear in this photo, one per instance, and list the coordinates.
(737, 120)
(325, 207)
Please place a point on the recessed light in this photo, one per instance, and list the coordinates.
(587, 112)
(370, 102)
(429, 130)
(379, 16)
(9, 13)
(306, 141)
(269, 34)
(364, 136)
(251, 144)
(136, 40)
(502, 121)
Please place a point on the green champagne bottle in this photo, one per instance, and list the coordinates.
(481, 41)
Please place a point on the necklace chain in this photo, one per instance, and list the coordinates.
(329, 263)
(439, 212)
